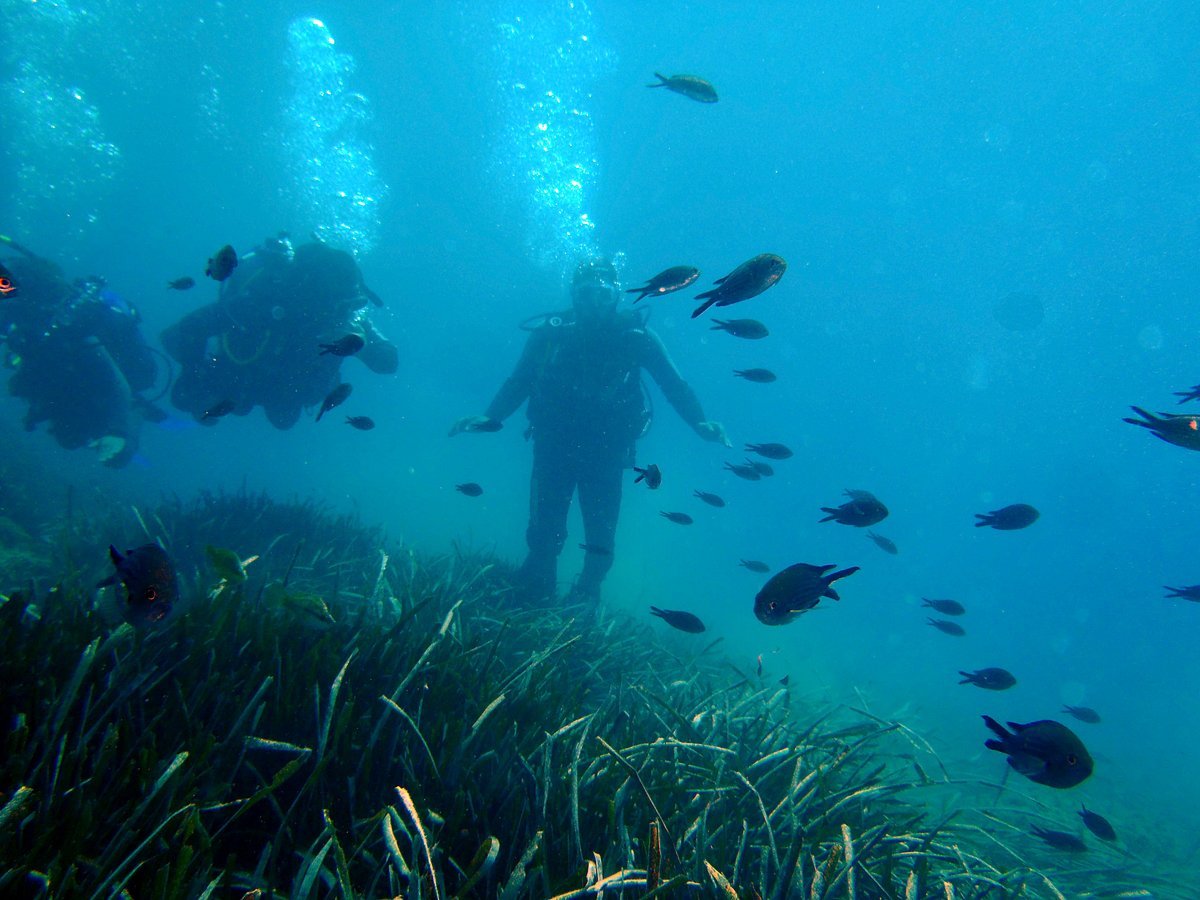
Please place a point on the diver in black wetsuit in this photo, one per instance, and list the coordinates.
(581, 375)
(259, 344)
(78, 358)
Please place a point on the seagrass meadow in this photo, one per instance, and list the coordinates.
(356, 720)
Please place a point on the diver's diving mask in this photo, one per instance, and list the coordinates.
(594, 289)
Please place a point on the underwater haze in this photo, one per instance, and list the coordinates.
(988, 214)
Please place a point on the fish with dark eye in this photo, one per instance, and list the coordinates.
(186, 283)
(218, 411)
(667, 281)
(1045, 751)
(758, 376)
(860, 511)
(677, 517)
(749, 329)
(1083, 714)
(763, 469)
(335, 398)
(1191, 592)
(1060, 840)
(1192, 393)
(597, 549)
(770, 451)
(677, 618)
(749, 472)
(1182, 431)
(691, 86)
(945, 607)
(1008, 518)
(222, 263)
(990, 679)
(343, 346)
(470, 488)
(947, 627)
(652, 475)
(362, 423)
(748, 280)
(1097, 824)
(148, 575)
(710, 499)
(884, 544)
(755, 565)
(796, 590)
(8, 285)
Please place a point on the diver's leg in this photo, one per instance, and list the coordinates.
(550, 489)
(600, 503)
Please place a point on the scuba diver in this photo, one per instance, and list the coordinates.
(259, 344)
(78, 357)
(580, 372)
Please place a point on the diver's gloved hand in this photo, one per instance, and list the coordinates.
(474, 423)
(713, 431)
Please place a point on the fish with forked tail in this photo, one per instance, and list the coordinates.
(691, 86)
(148, 575)
(1045, 751)
(796, 590)
(336, 397)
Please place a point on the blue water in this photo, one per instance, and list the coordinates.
(914, 164)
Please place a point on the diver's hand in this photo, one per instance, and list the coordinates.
(474, 423)
(713, 431)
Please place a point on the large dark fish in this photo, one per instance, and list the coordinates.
(861, 510)
(343, 346)
(710, 499)
(945, 607)
(947, 627)
(1098, 825)
(758, 376)
(992, 679)
(151, 588)
(796, 590)
(186, 283)
(677, 618)
(755, 565)
(748, 280)
(362, 423)
(677, 517)
(652, 475)
(1083, 714)
(221, 264)
(1191, 592)
(690, 86)
(1060, 840)
(884, 544)
(1182, 431)
(1009, 518)
(750, 329)
(8, 286)
(1045, 751)
(763, 469)
(770, 451)
(748, 471)
(336, 397)
(470, 488)
(669, 280)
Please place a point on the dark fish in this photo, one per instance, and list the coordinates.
(362, 423)
(1098, 825)
(991, 679)
(861, 510)
(1192, 393)
(750, 329)
(597, 549)
(710, 499)
(222, 264)
(218, 410)
(945, 607)
(149, 578)
(1060, 840)
(343, 346)
(749, 472)
(883, 543)
(8, 286)
(770, 451)
(948, 627)
(1182, 431)
(470, 488)
(748, 280)
(1191, 592)
(691, 86)
(652, 475)
(1019, 312)
(186, 283)
(674, 279)
(1045, 751)
(755, 565)
(762, 468)
(1010, 518)
(758, 376)
(677, 517)
(336, 397)
(1083, 714)
(796, 590)
(677, 618)
(484, 425)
